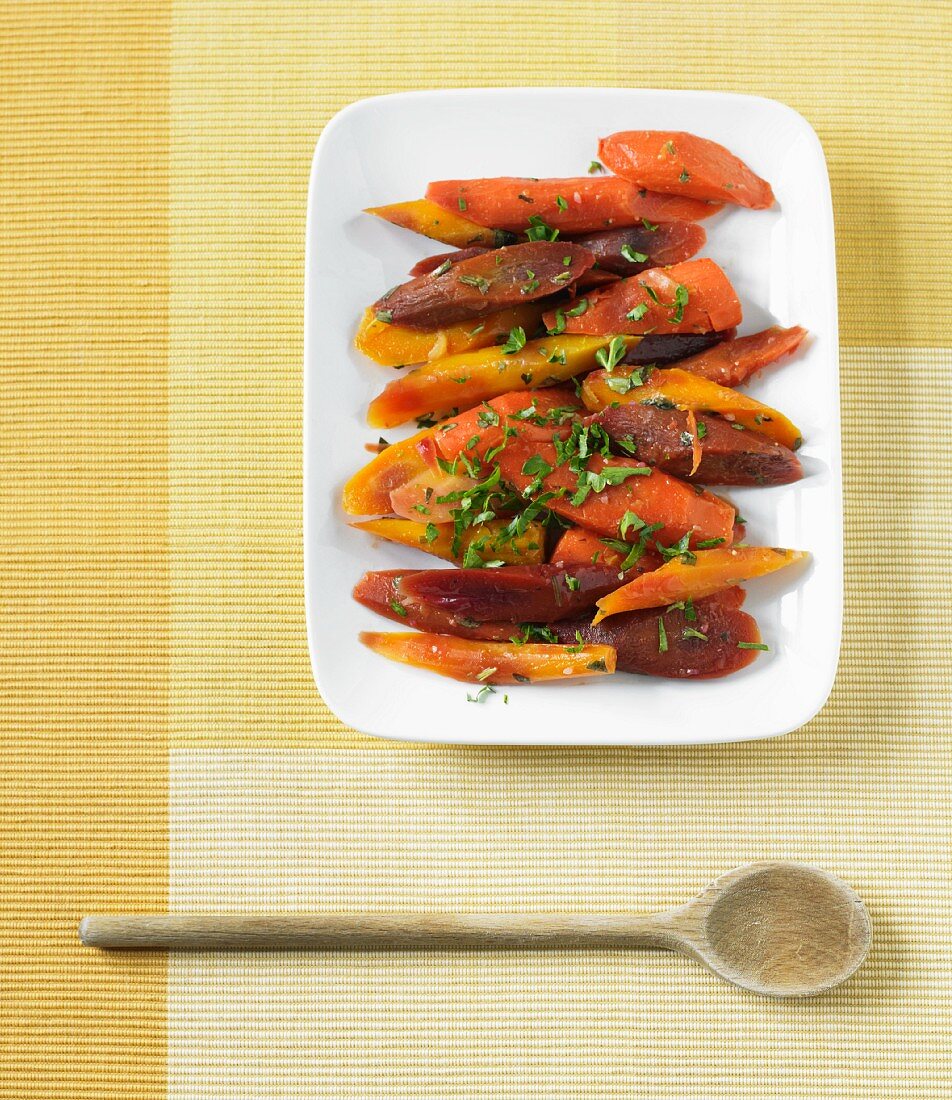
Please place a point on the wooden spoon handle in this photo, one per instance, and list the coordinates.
(370, 930)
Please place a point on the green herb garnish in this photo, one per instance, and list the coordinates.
(516, 341)
(610, 357)
(632, 256)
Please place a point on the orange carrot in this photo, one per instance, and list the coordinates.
(677, 163)
(702, 574)
(587, 204)
(487, 424)
(578, 546)
(673, 386)
(654, 497)
(491, 662)
(695, 296)
(734, 361)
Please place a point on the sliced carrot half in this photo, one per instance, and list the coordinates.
(489, 663)
(677, 163)
(701, 573)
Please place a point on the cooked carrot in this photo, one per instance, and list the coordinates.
(395, 346)
(534, 415)
(490, 663)
(696, 640)
(527, 548)
(677, 163)
(484, 284)
(378, 591)
(638, 247)
(429, 264)
(661, 349)
(711, 449)
(627, 486)
(512, 593)
(367, 493)
(695, 296)
(734, 361)
(461, 381)
(673, 386)
(579, 546)
(446, 226)
(575, 205)
(704, 573)
(425, 495)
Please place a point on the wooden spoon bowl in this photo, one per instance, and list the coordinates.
(780, 929)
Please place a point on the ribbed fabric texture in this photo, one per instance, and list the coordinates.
(83, 541)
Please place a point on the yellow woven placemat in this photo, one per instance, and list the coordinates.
(154, 162)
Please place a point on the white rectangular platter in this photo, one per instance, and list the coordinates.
(781, 262)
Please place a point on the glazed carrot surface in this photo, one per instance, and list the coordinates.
(448, 226)
(691, 576)
(677, 163)
(488, 663)
(695, 296)
(673, 387)
(732, 362)
(462, 381)
(580, 204)
(572, 367)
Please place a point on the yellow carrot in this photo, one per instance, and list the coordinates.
(484, 539)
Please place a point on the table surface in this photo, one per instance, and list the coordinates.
(163, 745)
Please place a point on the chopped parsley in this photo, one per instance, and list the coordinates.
(610, 357)
(484, 692)
(576, 311)
(595, 167)
(632, 256)
(708, 544)
(753, 645)
(597, 666)
(690, 632)
(561, 203)
(443, 268)
(486, 673)
(648, 225)
(398, 609)
(539, 229)
(385, 316)
(481, 284)
(662, 636)
(684, 177)
(680, 301)
(516, 341)
(432, 533)
(637, 313)
(461, 203)
(573, 584)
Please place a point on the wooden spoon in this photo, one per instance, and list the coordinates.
(779, 929)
